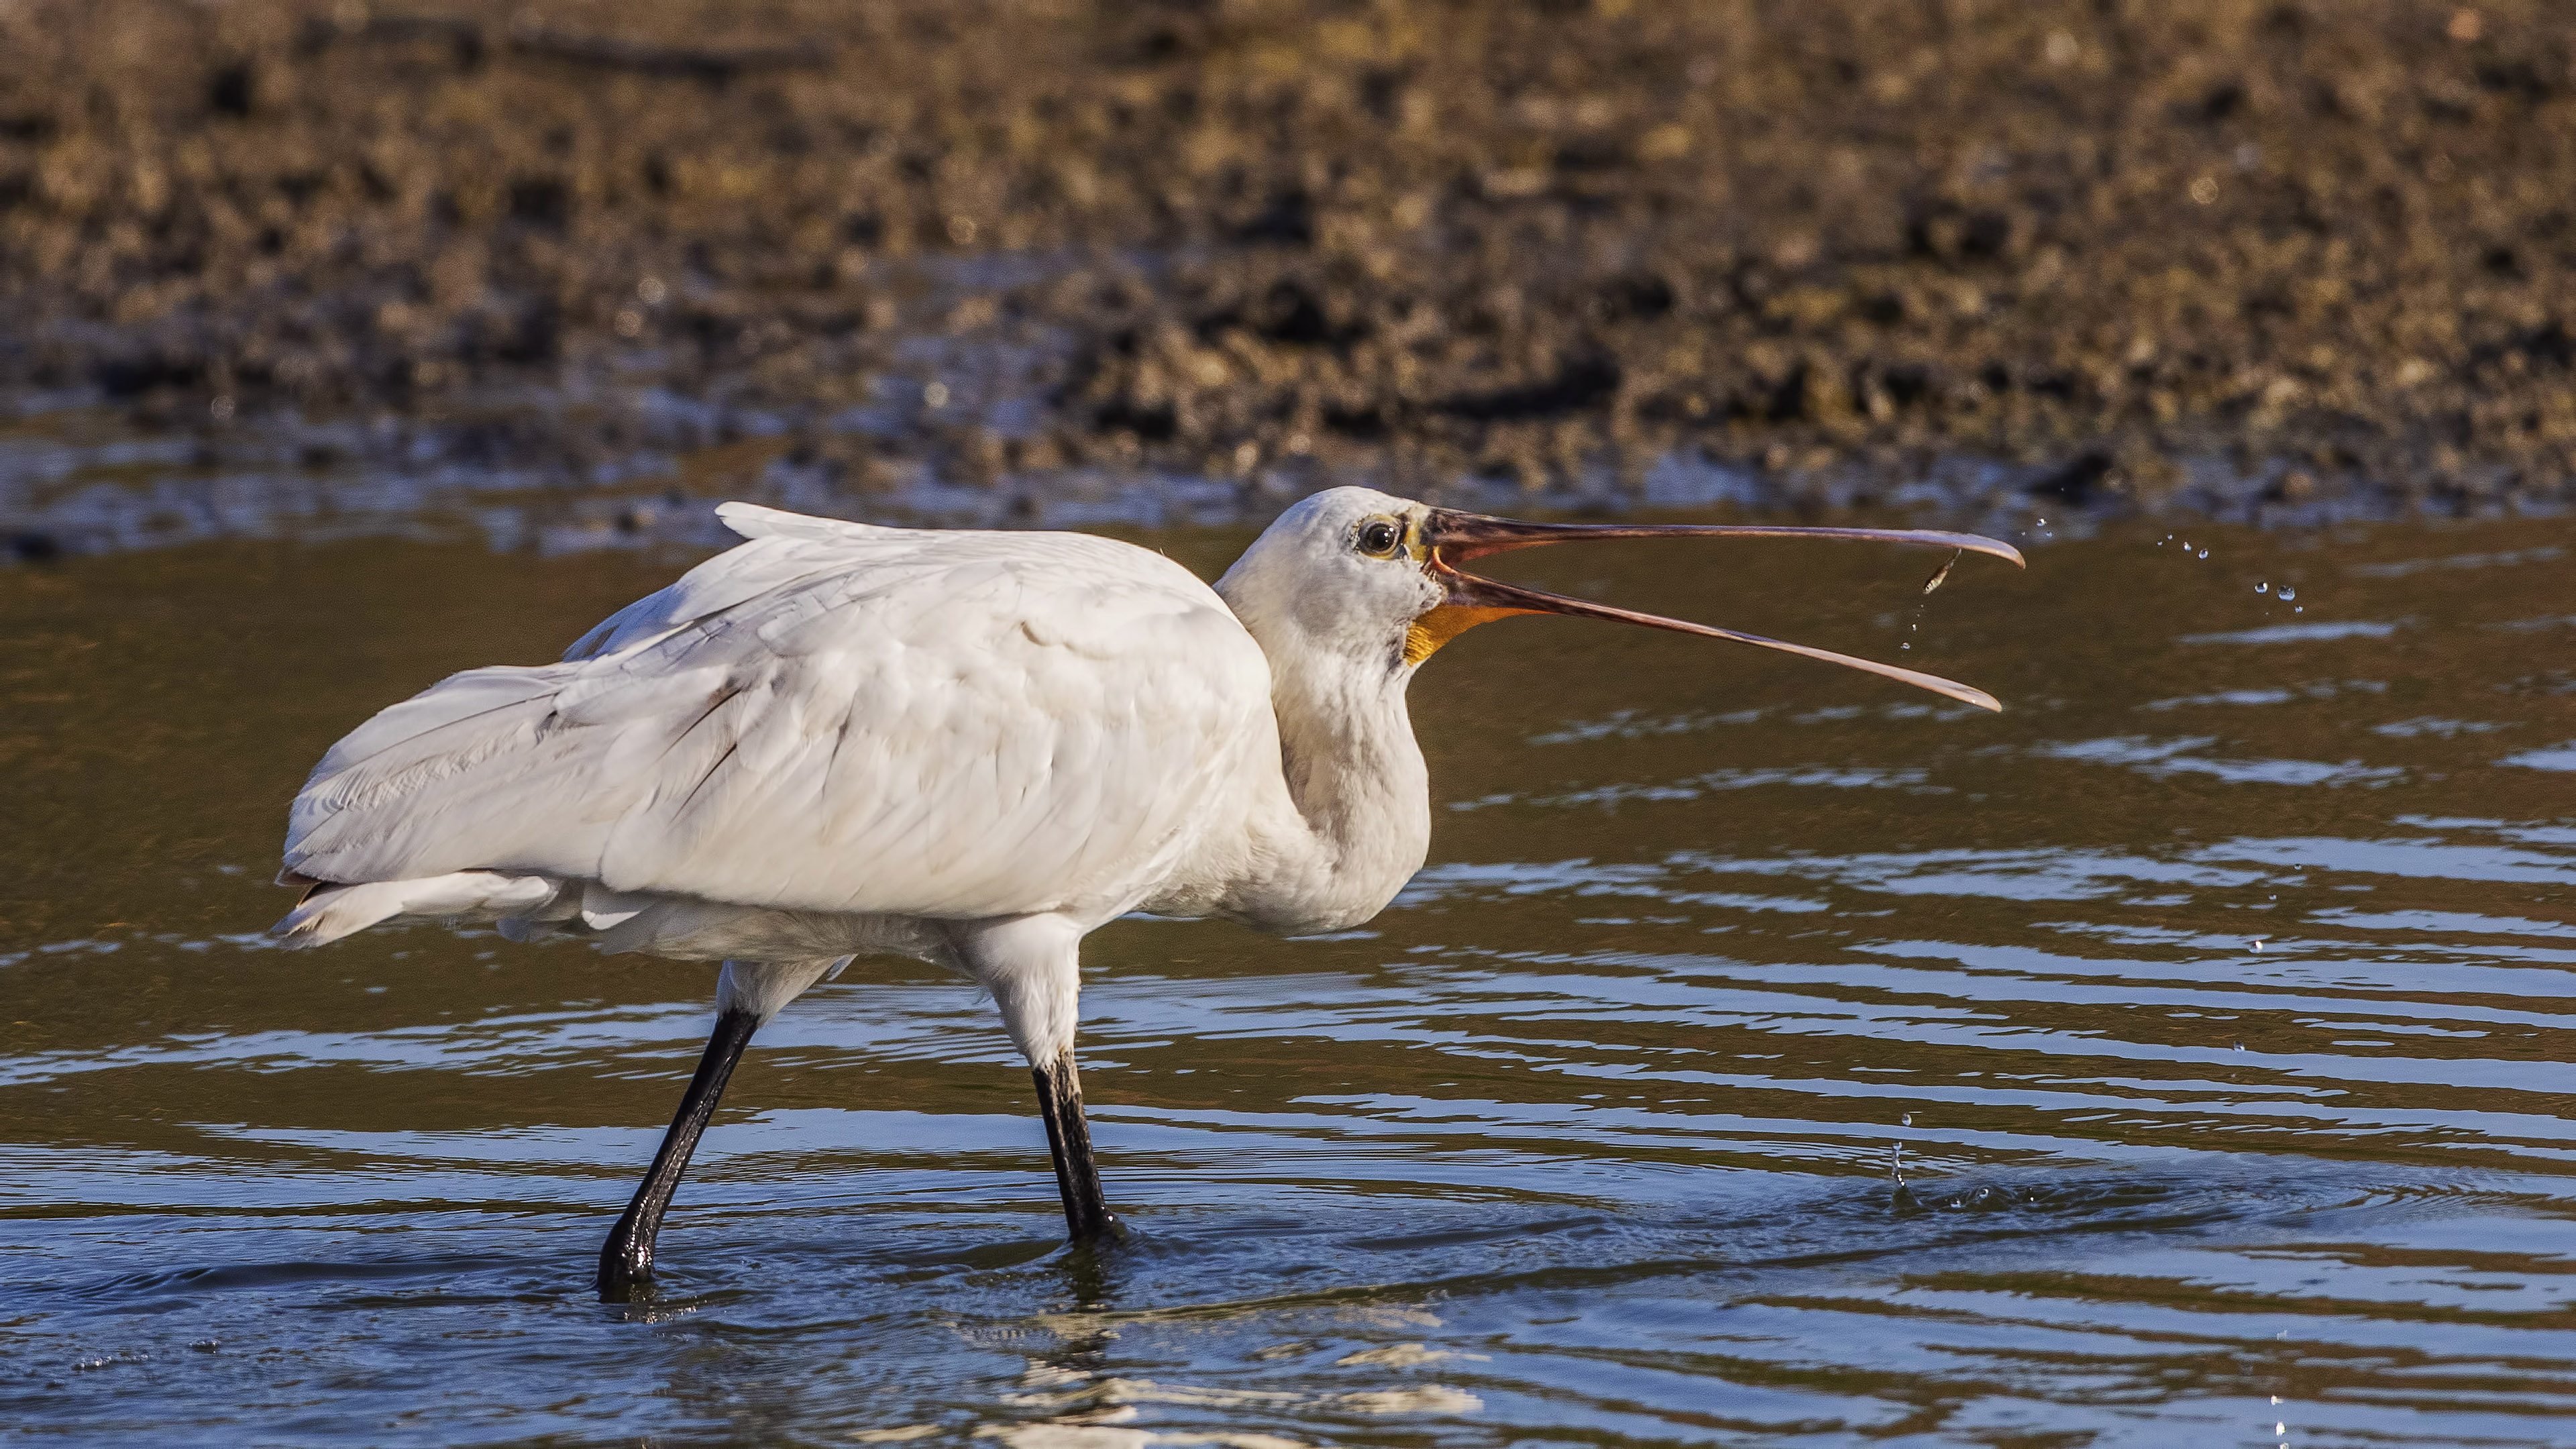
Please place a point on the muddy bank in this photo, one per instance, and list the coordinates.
(2255, 258)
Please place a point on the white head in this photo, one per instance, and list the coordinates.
(1370, 581)
(1335, 575)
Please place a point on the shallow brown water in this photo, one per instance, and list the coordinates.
(1595, 1136)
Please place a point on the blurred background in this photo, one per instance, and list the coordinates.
(565, 272)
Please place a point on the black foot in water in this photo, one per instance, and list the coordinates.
(626, 1261)
(1087, 1218)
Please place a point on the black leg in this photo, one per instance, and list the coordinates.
(627, 1260)
(1086, 1215)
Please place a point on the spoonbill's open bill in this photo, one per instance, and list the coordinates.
(969, 748)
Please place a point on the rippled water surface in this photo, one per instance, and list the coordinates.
(1767, 1055)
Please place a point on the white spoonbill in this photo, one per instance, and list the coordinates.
(970, 748)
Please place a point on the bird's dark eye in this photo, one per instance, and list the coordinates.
(1380, 536)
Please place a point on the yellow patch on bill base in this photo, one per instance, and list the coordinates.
(1444, 623)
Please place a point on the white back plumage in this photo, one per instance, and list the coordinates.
(830, 717)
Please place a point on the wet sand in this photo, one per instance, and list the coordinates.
(2212, 255)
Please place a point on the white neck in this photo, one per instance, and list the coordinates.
(1354, 821)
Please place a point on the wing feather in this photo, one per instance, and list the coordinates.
(828, 717)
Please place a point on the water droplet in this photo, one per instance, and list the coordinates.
(2254, 945)
(2263, 588)
(1904, 646)
(2288, 593)
(2240, 1046)
(2204, 553)
(2298, 608)
(1907, 1119)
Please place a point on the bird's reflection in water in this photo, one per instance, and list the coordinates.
(650, 1306)
(1091, 1275)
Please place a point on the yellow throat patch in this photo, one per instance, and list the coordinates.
(1445, 622)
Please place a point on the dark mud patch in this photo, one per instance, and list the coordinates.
(1003, 260)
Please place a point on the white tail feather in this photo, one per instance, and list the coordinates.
(334, 911)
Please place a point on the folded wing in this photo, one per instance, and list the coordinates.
(829, 717)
